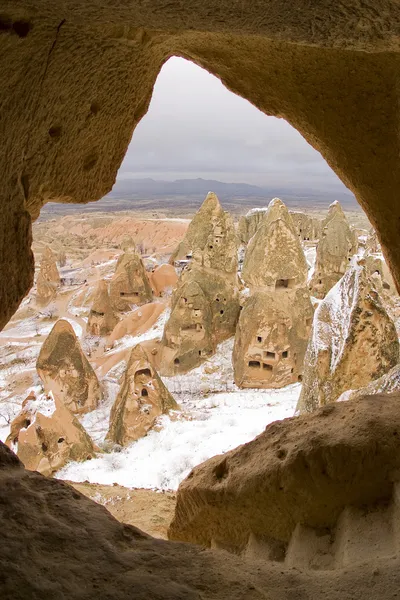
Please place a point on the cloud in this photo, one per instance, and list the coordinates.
(195, 127)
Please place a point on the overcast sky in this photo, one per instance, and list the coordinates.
(195, 128)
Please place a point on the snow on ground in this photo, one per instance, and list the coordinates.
(34, 326)
(215, 417)
(311, 254)
(163, 458)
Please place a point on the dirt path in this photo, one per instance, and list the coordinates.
(148, 510)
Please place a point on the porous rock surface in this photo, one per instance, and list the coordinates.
(304, 471)
(129, 285)
(271, 338)
(141, 399)
(353, 341)
(64, 370)
(48, 279)
(46, 435)
(335, 248)
(274, 257)
(200, 228)
(101, 319)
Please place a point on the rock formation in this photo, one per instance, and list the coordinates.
(372, 245)
(102, 319)
(297, 494)
(353, 341)
(137, 322)
(48, 278)
(163, 280)
(389, 383)
(141, 399)
(271, 339)
(46, 435)
(308, 228)
(64, 370)
(248, 224)
(274, 257)
(200, 228)
(334, 251)
(129, 285)
(375, 264)
(220, 252)
(188, 334)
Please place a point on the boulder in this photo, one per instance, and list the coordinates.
(274, 257)
(64, 370)
(46, 435)
(353, 341)
(298, 486)
(334, 251)
(137, 322)
(141, 399)
(129, 285)
(163, 279)
(102, 319)
(271, 339)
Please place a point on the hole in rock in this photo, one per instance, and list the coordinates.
(44, 447)
(267, 367)
(144, 392)
(55, 131)
(285, 354)
(22, 28)
(60, 440)
(254, 364)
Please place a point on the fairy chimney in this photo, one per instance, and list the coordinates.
(102, 319)
(129, 285)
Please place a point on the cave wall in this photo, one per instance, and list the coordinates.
(76, 78)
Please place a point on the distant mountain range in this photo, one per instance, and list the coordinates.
(187, 195)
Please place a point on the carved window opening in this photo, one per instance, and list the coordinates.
(267, 367)
(254, 364)
(144, 393)
(285, 354)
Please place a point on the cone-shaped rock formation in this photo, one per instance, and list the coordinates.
(274, 257)
(353, 341)
(334, 251)
(64, 370)
(271, 339)
(163, 279)
(46, 435)
(200, 228)
(129, 285)
(48, 278)
(102, 319)
(308, 228)
(141, 399)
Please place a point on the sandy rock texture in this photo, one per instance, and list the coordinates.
(163, 279)
(137, 322)
(353, 341)
(46, 435)
(101, 319)
(271, 338)
(336, 246)
(141, 399)
(93, 66)
(64, 369)
(307, 474)
(48, 280)
(308, 228)
(129, 285)
(274, 257)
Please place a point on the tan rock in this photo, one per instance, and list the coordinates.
(389, 383)
(64, 370)
(48, 279)
(163, 279)
(141, 399)
(301, 476)
(220, 252)
(188, 334)
(248, 224)
(271, 339)
(102, 319)
(200, 228)
(372, 245)
(137, 322)
(353, 341)
(274, 257)
(308, 228)
(129, 285)
(46, 435)
(334, 251)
